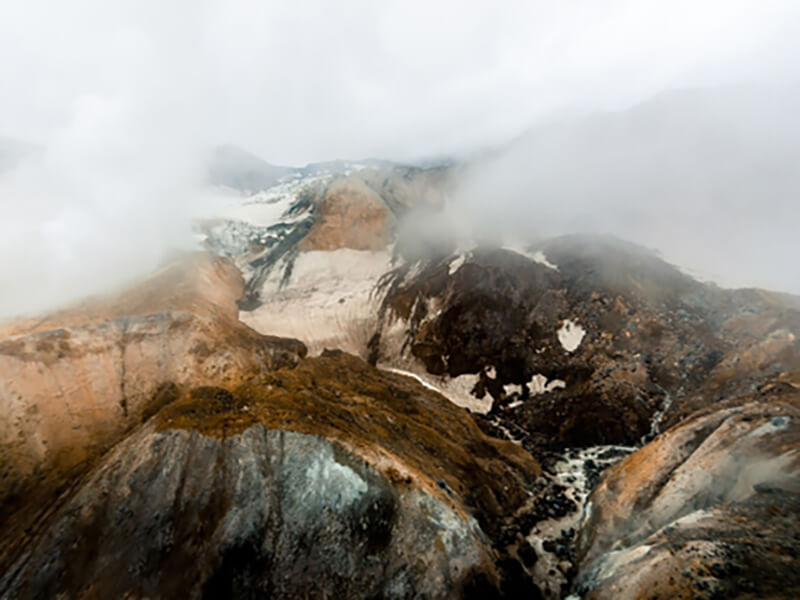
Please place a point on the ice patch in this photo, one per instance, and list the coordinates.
(327, 303)
(264, 208)
(457, 390)
(570, 335)
(537, 385)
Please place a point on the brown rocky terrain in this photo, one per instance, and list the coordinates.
(73, 384)
(219, 461)
(350, 215)
(709, 509)
(153, 444)
(329, 477)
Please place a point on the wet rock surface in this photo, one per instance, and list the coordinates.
(264, 513)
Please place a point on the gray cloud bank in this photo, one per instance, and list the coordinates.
(708, 177)
(124, 99)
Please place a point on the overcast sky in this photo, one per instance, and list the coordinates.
(126, 96)
(303, 80)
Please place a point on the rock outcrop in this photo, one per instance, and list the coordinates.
(356, 210)
(72, 384)
(331, 477)
(350, 215)
(709, 509)
(266, 513)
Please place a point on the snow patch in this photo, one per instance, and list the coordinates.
(538, 256)
(415, 376)
(456, 263)
(537, 385)
(460, 256)
(457, 390)
(264, 208)
(328, 301)
(570, 335)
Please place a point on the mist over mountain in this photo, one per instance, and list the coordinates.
(13, 151)
(708, 176)
(239, 169)
(400, 299)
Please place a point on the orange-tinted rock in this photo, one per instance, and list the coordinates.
(329, 477)
(708, 509)
(350, 215)
(72, 384)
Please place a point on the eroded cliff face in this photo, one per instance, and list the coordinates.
(153, 444)
(73, 384)
(350, 215)
(264, 513)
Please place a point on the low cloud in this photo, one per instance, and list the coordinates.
(124, 100)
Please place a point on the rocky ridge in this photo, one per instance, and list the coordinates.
(294, 476)
(572, 342)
